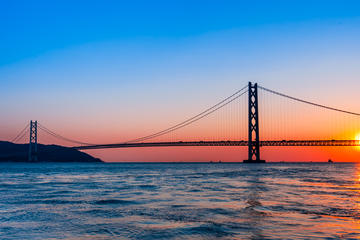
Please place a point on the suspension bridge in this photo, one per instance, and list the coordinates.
(244, 122)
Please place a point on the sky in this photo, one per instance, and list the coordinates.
(109, 71)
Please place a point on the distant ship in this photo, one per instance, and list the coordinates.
(330, 161)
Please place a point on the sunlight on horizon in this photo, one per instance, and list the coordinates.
(357, 137)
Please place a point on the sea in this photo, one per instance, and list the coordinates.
(179, 201)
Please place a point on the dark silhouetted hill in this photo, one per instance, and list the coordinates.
(10, 152)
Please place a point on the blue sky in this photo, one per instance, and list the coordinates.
(115, 63)
(32, 28)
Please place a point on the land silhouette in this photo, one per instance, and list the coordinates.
(10, 152)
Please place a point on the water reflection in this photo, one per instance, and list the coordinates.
(255, 217)
(179, 201)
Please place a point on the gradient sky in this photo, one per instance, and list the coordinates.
(107, 71)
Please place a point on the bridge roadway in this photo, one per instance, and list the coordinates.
(330, 143)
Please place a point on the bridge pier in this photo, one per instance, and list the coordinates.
(33, 142)
(253, 118)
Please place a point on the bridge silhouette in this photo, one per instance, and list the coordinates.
(253, 141)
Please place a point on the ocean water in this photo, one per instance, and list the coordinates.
(180, 201)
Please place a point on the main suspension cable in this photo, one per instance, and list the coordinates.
(21, 134)
(197, 117)
(48, 131)
(308, 102)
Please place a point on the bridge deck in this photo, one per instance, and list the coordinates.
(226, 143)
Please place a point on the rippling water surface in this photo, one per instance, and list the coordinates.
(179, 201)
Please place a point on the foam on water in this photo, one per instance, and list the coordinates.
(179, 201)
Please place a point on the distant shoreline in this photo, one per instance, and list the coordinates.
(11, 152)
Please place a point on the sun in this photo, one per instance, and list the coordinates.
(357, 138)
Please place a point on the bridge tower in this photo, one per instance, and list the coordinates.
(253, 118)
(33, 142)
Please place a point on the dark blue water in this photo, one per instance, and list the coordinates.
(179, 201)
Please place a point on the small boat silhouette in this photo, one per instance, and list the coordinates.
(330, 161)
